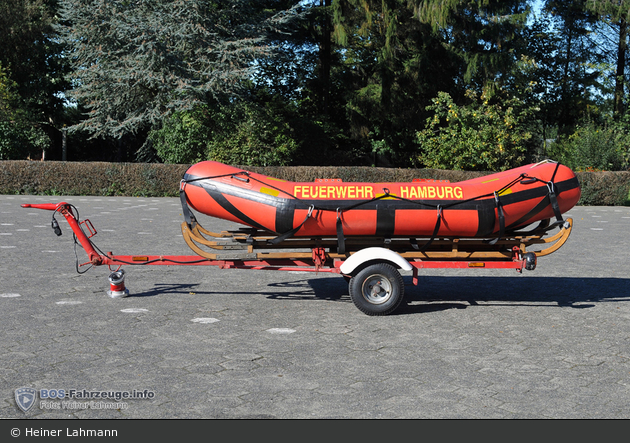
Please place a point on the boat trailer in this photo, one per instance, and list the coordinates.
(370, 265)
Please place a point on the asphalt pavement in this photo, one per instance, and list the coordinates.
(199, 342)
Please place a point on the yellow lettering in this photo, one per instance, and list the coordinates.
(414, 192)
(305, 193)
(431, 191)
(458, 192)
(422, 192)
(352, 192)
(322, 192)
(297, 190)
(404, 192)
(369, 192)
(331, 192)
(342, 191)
(315, 192)
(440, 192)
(449, 192)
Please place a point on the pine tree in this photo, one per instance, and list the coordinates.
(616, 14)
(138, 61)
(391, 66)
(574, 80)
(31, 61)
(485, 35)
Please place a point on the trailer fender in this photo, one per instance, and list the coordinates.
(373, 254)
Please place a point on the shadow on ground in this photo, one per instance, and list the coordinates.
(435, 293)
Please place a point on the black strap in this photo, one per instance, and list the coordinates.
(292, 232)
(554, 201)
(189, 217)
(438, 223)
(501, 214)
(341, 241)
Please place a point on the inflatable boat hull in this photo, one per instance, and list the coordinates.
(478, 208)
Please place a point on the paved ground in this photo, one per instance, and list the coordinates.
(210, 343)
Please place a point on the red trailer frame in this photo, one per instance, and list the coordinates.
(371, 266)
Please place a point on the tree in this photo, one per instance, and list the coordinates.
(30, 56)
(7, 95)
(391, 65)
(574, 76)
(485, 36)
(616, 14)
(479, 135)
(138, 62)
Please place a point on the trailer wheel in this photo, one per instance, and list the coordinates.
(377, 289)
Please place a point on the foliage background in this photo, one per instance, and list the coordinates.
(605, 188)
(449, 84)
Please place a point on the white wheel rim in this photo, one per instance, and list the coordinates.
(376, 289)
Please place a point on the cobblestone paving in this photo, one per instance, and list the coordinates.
(211, 343)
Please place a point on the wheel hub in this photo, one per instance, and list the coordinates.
(377, 289)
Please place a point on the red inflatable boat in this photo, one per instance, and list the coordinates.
(484, 207)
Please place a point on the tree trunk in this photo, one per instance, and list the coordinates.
(325, 56)
(621, 67)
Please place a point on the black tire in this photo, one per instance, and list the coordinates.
(377, 289)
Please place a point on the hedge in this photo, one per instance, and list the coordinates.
(161, 180)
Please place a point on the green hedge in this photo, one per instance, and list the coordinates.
(160, 180)
(605, 188)
(95, 178)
